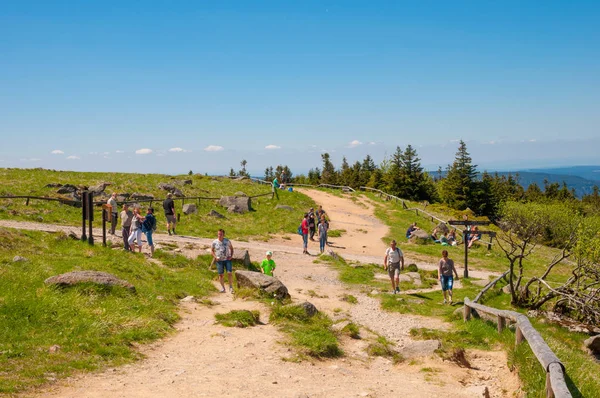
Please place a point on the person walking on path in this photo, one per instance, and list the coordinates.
(114, 212)
(135, 234)
(169, 207)
(126, 219)
(312, 227)
(322, 229)
(393, 262)
(268, 265)
(304, 228)
(445, 270)
(222, 252)
(148, 227)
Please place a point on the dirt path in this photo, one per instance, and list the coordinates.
(207, 360)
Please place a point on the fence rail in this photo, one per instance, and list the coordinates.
(556, 385)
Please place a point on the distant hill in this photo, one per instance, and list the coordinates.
(581, 178)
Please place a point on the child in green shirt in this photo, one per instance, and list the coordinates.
(268, 266)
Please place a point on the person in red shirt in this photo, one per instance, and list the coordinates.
(305, 234)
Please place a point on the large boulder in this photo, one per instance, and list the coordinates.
(235, 209)
(593, 344)
(98, 277)
(67, 188)
(189, 208)
(177, 193)
(187, 182)
(166, 187)
(242, 256)
(265, 283)
(244, 203)
(442, 228)
(141, 196)
(98, 189)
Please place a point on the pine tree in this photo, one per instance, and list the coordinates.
(458, 189)
(328, 175)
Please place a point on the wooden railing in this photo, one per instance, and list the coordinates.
(555, 370)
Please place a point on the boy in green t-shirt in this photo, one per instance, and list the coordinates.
(268, 266)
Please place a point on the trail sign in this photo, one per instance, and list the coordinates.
(467, 232)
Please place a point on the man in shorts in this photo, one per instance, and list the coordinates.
(114, 212)
(393, 263)
(222, 252)
(169, 207)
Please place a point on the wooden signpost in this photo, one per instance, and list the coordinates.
(467, 232)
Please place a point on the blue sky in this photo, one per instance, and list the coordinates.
(168, 87)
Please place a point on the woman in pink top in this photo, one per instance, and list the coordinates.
(305, 233)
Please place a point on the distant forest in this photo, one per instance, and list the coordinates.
(459, 186)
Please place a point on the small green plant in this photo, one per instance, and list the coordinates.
(352, 330)
(238, 318)
(337, 310)
(349, 298)
(383, 348)
(335, 233)
(412, 268)
(312, 335)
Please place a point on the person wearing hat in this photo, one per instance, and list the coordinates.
(268, 265)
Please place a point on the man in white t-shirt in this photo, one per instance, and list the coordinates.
(222, 251)
(393, 263)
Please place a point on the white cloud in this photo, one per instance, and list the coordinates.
(143, 151)
(119, 151)
(30, 160)
(372, 143)
(178, 150)
(57, 152)
(106, 153)
(73, 157)
(533, 140)
(354, 144)
(213, 148)
(272, 147)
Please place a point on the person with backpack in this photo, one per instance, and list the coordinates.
(312, 227)
(393, 262)
(148, 227)
(304, 229)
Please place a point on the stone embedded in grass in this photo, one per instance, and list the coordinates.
(265, 283)
(189, 208)
(77, 277)
(243, 203)
(214, 213)
(309, 308)
(19, 259)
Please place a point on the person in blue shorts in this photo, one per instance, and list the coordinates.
(222, 252)
(445, 270)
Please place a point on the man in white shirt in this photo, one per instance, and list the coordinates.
(393, 262)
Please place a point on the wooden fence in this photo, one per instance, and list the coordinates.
(556, 385)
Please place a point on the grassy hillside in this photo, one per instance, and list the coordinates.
(262, 222)
(49, 333)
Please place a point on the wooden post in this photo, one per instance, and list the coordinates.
(27, 203)
(83, 214)
(90, 216)
(518, 336)
(104, 219)
(466, 313)
(466, 241)
(501, 323)
(178, 216)
(490, 244)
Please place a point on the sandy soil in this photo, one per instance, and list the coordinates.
(203, 359)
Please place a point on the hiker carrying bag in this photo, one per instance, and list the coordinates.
(300, 230)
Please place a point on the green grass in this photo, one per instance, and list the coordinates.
(261, 223)
(94, 326)
(311, 335)
(384, 348)
(352, 330)
(335, 233)
(238, 318)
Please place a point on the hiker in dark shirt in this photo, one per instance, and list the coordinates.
(169, 206)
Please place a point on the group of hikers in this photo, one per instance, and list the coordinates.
(393, 263)
(314, 222)
(134, 224)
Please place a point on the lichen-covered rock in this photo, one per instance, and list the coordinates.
(101, 278)
(262, 282)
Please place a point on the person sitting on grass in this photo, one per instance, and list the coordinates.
(268, 265)
(474, 236)
(413, 227)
